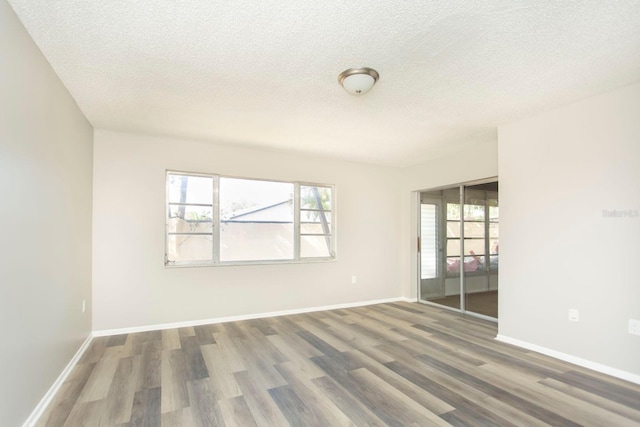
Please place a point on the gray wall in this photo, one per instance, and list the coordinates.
(45, 214)
(133, 288)
(560, 172)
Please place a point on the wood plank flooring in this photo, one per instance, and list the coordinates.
(396, 364)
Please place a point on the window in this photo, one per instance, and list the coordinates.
(315, 221)
(256, 220)
(189, 218)
(217, 220)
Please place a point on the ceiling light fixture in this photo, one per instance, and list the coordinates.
(358, 81)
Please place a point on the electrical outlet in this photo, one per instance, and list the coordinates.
(354, 279)
(84, 305)
(574, 315)
(634, 327)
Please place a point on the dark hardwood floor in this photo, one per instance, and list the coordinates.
(396, 364)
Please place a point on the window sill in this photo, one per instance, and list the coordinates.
(248, 263)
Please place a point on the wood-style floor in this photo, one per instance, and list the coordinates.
(397, 364)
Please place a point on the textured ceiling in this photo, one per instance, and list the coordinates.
(264, 73)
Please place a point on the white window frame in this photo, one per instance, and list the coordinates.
(297, 259)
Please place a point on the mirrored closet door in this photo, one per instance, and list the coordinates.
(459, 247)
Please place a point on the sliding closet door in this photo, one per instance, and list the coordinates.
(431, 281)
(480, 228)
(458, 258)
(437, 285)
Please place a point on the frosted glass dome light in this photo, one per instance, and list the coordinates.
(358, 81)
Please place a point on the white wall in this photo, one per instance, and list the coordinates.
(133, 288)
(477, 162)
(558, 172)
(45, 255)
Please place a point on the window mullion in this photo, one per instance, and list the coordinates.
(167, 211)
(216, 219)
(487, 242)
(296, 221)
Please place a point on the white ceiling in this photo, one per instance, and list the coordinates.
(264, 73)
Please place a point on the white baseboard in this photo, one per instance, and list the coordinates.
(156, 327)
(598, 367)
(50, 394)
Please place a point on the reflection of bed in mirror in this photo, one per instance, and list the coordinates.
(471, 263)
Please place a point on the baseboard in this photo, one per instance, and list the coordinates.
(156, 327)
(598, 367)
(50, 394)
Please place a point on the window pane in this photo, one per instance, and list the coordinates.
(453, 228)
(313, 228)
(314, 247)
(313, 197)
(256, 220)
(189, 248)
(474, 212)
(189, 219)
(494, 230)
(315, 216)
(246, 241)
(494, 213)
(474, 229)
(474, 246)
(453, 211)
(453, 247)
(190, 189)
(256, 200)
(471, 229)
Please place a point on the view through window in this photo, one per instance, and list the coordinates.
(214, 219)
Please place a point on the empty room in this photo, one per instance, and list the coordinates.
(320, 213)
